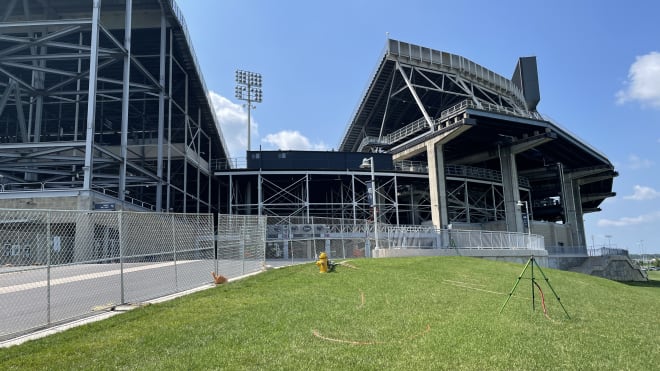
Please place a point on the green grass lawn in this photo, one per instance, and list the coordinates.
(388, 314)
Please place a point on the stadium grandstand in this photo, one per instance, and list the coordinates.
(454, 146)
(103, 106)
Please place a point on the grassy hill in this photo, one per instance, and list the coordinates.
(404, 314)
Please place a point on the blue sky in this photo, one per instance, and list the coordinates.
(598, 62)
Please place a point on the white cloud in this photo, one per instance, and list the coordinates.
(232, 119)
(643, 82)
(293, 140)
(628, 221)
(643, 193)
(635, 162)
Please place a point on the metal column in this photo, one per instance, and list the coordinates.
(124, 102)
(91, 96)
(161, 113)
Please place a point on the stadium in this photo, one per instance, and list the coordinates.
(441, 153)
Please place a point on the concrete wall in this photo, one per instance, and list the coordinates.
(554, 234)
(565, 262)
(614, 267)
(53, 200)
(33, 202)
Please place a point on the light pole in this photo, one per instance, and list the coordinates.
(368, 162)
(529, 222)
(609, 241)
(248, 88)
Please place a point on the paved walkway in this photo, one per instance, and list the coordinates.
(270, 264)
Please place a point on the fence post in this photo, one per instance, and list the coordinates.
(242, 243)
(216, 246)
(176, 272)
(121, 256)
(48, 263)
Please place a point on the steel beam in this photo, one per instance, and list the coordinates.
(124, 102)
(420, 105)
(91, 97)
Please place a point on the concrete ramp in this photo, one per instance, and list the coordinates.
(613, 267)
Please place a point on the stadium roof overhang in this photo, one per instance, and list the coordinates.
(416, 90)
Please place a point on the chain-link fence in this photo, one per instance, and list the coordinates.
(304, 238)
(56, 266)
(241, 244)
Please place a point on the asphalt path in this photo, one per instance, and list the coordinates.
(28, 303)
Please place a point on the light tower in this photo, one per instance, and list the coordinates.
(248, 88)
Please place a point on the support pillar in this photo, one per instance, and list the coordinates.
(572, 205)
(513, 215)
(91, 96)
(437, 185)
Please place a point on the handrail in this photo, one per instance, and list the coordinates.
(458, 171)
(453, 111)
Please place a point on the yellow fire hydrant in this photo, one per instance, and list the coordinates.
(323, 263)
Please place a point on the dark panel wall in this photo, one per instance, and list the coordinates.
(317, 160)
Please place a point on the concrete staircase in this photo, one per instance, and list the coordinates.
(613, 267)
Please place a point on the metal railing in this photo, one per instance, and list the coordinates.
(608, 251)
(490, 107)
(461, 171)
(411, 166)
(57, 266)
(421, 124)
(304, 238)
(230, 163)
(420, 237)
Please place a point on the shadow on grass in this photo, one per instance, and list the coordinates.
(649, 283)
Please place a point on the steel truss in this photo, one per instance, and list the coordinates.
(402, 198)
(451, 89)
(477, 201)
(89, 103)
(330, 194)
(414, 81)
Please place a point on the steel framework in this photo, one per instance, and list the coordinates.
(103, 101)
(474, 196)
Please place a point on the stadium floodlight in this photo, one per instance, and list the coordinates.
(248, 88)
(368, 163)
